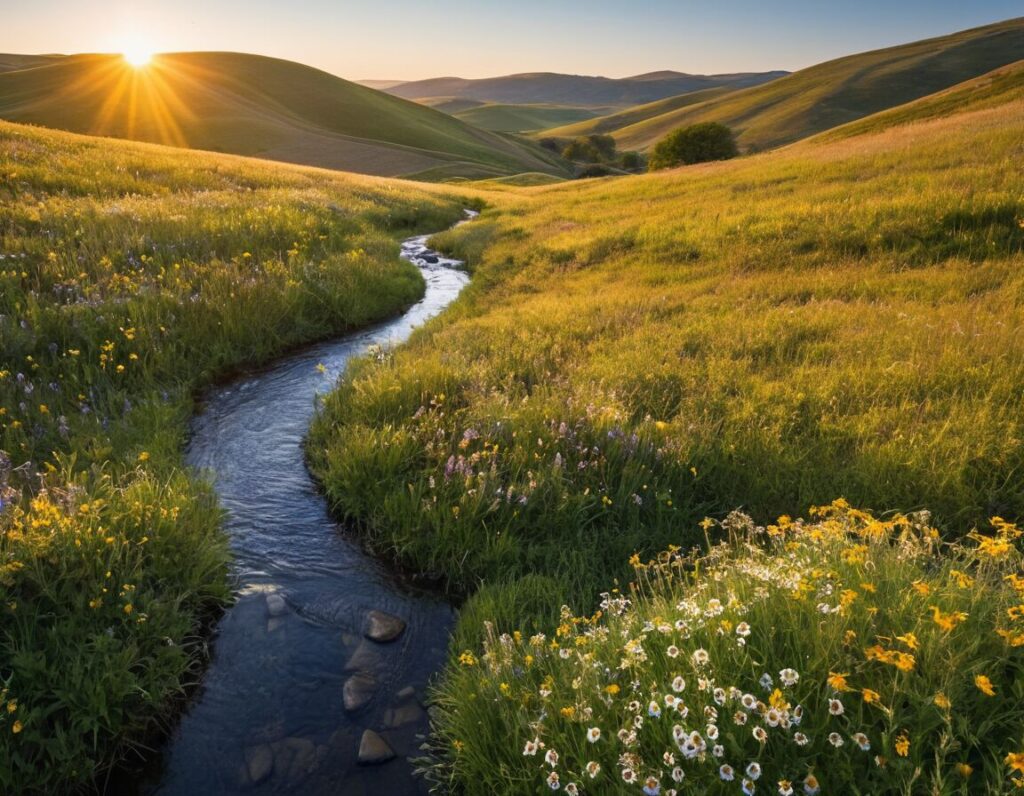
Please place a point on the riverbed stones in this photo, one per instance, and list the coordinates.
(383, 627)
(276, 605)
(373, 749)
(259, 762)
(401, 715)
(359, 690)
(366, 658)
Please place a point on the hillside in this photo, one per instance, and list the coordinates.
(524, 118)
(549, 87)
(840, 91)
(264, 107)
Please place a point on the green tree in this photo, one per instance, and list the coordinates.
(697, 143)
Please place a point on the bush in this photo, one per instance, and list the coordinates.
(697, 143)
(848, 654)
(631, 161)
(591, 149)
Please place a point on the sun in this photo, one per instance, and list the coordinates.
(138, 54)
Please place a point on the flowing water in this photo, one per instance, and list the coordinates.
(269, 716)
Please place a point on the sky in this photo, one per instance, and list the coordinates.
(414, 39)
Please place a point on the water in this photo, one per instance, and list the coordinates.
(272, 695)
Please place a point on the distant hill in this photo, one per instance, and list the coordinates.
(524, 118)
(830, 94)
(549, 87)
(264, 107)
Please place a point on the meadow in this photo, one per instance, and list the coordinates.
(835, 319)
(130, 277)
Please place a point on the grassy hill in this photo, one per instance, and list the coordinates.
(549, 87)
(265, 107)
(132, 275)
(839, 91)
(833, 319)
(525, 118)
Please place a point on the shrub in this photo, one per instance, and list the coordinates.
(846, 654)
(591, 149)
(631, 161)
(697, 143)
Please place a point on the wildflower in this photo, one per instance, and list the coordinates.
(862, 741)
(467, 659)
(748, 787)
(553, 782)
(760, 734)
(785, 787)
(531, 748)
(835, 707)
(572, 789)
(789, 677)
(726, 773)
(594, 734)
(551, 758)
(739, 718)
(838, 681)
(593, 769)
(701, 657)
(766, 681)
(672, 651)
(628, 775)
(743, 629)
(651, 786)
(942, 701)
(612, 689)
(984, 685)
(1015, 760)
(909, 639)
(811, 786)
(677, 774)
(678, 684)
(947, 621)
(17, 727)
(754, 771)
(964, 769)
(902, 744)
(800, 739)
(835, 739)
(871, 697)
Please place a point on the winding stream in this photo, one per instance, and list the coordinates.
(270, 715)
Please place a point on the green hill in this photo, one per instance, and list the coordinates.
(525, 118)
(265, 107)
(841, 91)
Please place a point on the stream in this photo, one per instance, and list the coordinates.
(270, 715)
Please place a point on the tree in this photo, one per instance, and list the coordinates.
(697, 143)
(631, 161)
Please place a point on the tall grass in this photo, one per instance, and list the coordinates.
(635, 354)
(130, 276)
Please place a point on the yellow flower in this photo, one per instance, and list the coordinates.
(984, 685)
(909, 639)
(871, 697)
(964, 770)
(12, 706)
(17, 727)
(611, 689)
(144, 456)
(902, 745)
(942, 701)
(921, 588)
(467, 658)
(568, 711)
(128, 608)
(1015, 760)
(947, 621)
(504, 688)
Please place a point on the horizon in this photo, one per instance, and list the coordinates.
(741, 36)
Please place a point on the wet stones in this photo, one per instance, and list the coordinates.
(366, 658)
(358, 691)
(373, 749)
(259, 762)
(383, 627)
(276, 605)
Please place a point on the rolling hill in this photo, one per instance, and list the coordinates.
(831, 94)
(253, 105)
(550, 87)
(525, 118)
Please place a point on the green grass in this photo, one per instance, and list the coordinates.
(636, 353)
(524, 118)
(252, 105)
(132, 276)
(834, 93)
(889, 661)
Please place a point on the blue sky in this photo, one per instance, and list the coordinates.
(411, 39)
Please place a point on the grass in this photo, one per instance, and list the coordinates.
(834, 93)
(131, 276)
(524, 118)
(633, 354)
(842, 655)
(252, 105)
